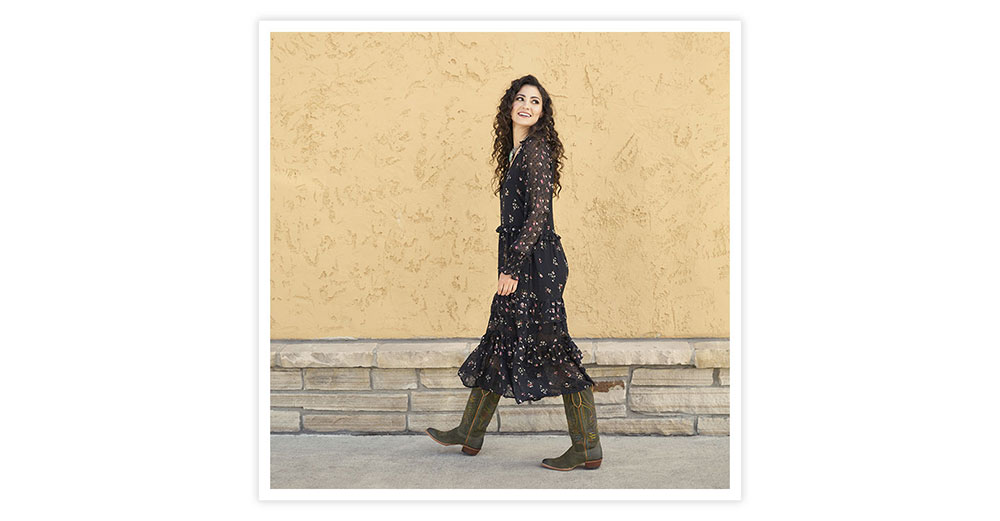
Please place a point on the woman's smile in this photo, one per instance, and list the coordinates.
(527, 106)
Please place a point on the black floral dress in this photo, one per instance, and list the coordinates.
(527, 353)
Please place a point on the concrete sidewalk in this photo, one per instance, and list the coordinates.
(506, 461)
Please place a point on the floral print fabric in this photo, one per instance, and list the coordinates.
(527, 353)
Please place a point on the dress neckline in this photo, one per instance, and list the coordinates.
(514, 155)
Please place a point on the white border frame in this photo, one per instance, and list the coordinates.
(733, 27)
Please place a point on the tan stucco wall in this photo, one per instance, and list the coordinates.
(382, 213)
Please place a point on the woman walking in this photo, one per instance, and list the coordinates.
(527, 353)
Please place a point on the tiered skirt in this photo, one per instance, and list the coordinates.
(527, 352)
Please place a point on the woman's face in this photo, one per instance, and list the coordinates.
(527, 107)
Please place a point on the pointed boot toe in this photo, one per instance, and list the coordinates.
(469, 434)
(552, 463)
(436, 435)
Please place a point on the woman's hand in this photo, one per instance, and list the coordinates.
(506, 285)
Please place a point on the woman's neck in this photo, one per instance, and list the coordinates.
(519, 134)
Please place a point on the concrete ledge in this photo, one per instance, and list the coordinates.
(643, 352)
(340, 354)
(614, 354)
(711, 354)
(421, 354)
(588, 348)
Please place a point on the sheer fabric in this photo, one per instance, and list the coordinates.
(527, 352)
(537, 163)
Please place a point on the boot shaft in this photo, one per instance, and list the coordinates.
(581, 417)
(479, 410)
(487, 407)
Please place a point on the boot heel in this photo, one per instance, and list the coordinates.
(593, 464)
(472, 452)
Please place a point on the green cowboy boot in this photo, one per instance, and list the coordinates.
(581, 415)
(470, 433)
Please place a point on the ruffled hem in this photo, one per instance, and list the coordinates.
(508, 392)
(527, 353)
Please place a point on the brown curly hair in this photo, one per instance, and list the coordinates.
(503, 131)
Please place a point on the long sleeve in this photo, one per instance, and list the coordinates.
(539, 165)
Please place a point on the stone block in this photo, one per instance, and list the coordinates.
(394, 378)
(441, 378)
(588, 350)
(718, 425)
(668, 426)
(337, 379)
(608, 391)
(354, 422)
(286, 379)
(711, 354)
(611, 411)
(604, 371)
(550, 401)
(684, 376)
(284, 421)
(605, 392)
(328, 354)
(341, 401)
(275, 350)
(429, 401)
(643, 352)
(421, 354)
(693, 400)
(419, 422)
(532, 419)
(724, 376)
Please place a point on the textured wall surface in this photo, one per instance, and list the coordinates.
(382, 212)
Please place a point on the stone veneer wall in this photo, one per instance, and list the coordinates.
(647, 387)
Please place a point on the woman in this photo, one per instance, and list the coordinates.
(527, 353)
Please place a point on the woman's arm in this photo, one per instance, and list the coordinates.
(539, 164)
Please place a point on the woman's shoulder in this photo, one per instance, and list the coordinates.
(536, 143)
(534, 138)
